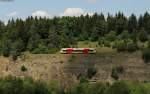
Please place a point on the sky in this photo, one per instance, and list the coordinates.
(50, 8)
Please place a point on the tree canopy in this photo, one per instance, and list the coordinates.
(45, 35)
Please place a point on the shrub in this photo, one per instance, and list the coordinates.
(101, 41)
(111, 36)
(121, 45)
(83, 79)
(53, 50)
(148, 44)
(131, 46)
(91, 72)
(6, 48)
(146, 55)
(23, 68)
(6, 53)
(14, 85)
(119, 88)
(116, 72)
(125, 45)
(107, 43)
(120, 69)
(143, 36)
(124, 35)
(15, 55)
(43, 49)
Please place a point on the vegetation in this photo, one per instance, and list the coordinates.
(120, 87)
(116, 71)
(120, 45)
(23, 68)
(146, 55)
(13, 85)
(91, 72)
(44, 35)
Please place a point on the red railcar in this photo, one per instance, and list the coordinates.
(78, 51)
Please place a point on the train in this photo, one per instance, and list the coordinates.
(78, 51)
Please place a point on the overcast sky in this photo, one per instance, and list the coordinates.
(50, 8)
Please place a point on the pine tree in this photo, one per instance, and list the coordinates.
(132, 23)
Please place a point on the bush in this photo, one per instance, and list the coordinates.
(107, 43)
(143, 36)
(124, 35)
(14, 85)
(120, 69)
(146, 55)
(126, 45)
(43, 49)
(119, 88)
(101, 41)
(23, 68)
(131, 46)
(91, 72)
(148, 43)
(6, 47)
(116, 72)
(83, 79)
(111, 36)
(120, 45)
(52, 50)
(15, 55)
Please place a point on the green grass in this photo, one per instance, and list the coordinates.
(105, 50)
(86, 44)
(89, 44)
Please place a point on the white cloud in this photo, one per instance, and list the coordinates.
(12, 14)
(40, 13)
(74, 12)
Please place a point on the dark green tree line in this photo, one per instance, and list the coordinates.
(44, 35)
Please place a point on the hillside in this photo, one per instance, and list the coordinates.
(67, 68)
